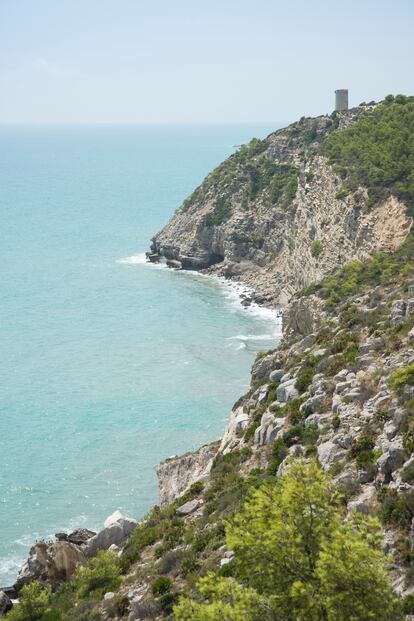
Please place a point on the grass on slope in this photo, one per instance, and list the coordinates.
(378, 151)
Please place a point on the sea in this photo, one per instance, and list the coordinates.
(107, 364)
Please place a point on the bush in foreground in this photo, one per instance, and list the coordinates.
(297, 560)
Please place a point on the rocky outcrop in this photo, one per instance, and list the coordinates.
(177, 474)
(56, 562)
(78, 537)
(117, 529)
(50, 562)
(235, 225)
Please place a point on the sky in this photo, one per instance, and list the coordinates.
(191, 61)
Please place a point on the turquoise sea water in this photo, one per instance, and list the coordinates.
(107, 365)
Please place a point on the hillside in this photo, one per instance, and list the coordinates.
(304, 509)
(283, 212)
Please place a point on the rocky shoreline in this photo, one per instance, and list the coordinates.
(54, 562)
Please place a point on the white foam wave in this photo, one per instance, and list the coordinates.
(233, 291)
(251, 337)
(135, 259)
(141, 259)
(9, 568)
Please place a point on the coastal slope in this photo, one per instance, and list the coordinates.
(333, 402)
(278, 216)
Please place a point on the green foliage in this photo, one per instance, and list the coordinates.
(408, 604)
(396, 509)
(102, 574)
(33, 605)
(161, 585)
(228, 176)
(342, 193)
(407, 474)
(378, 151)
(294, 435)
(306, 373)
(221, 212)
(278, 452)
(402, 377)
(316, 248)
(362, 450)
(229, 601)
(167, 601)
(355, 277)
(281, 180)
(297, 561)
(227, 488)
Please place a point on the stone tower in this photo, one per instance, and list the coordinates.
(341, 99)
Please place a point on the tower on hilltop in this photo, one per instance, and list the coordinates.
(341, 99)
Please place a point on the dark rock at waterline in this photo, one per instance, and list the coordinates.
(174, 264)
(5, 603)
(246, 302)
(10, 592)
(80, 536)
(194, 263)
(153, 257)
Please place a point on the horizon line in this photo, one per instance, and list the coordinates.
(132, 123)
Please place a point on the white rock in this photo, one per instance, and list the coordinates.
(329, 453)
(114, 517)
(286, 391)
(188, 507)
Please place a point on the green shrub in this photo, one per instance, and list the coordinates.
(408, 605)
(292, 411)
(408, 441)
(306, 373)
(296, 559)
(102, 574)
(377, 151)
(221, 212)
(161, 585)
(397, 509)
(294, 435)
(167, 601)
(361, 445)
(278, 451)
(401, 377)
(407, 474)
(281, 180)
(342, 193)
(356, 276)
(316, 248)
(33, 604)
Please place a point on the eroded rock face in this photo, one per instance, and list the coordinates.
(270, 245)
(50, 562)
(177, 474)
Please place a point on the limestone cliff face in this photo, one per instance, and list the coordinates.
(273, 216)
(177, 474)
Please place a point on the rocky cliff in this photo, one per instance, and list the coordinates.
(276, 216)
(282, 214)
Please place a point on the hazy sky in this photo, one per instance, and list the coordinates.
(187, 61)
